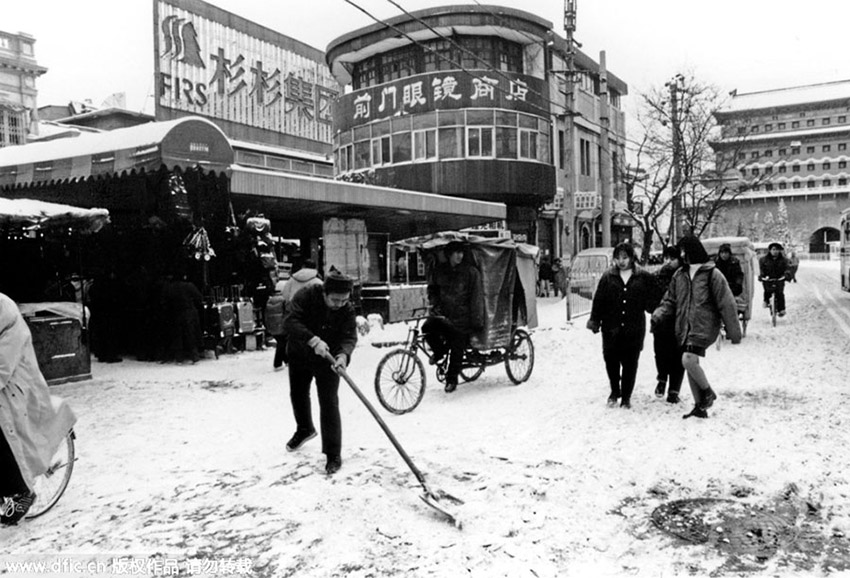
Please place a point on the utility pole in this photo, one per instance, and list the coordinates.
(605, 177)
(571, 180)
(676, 206)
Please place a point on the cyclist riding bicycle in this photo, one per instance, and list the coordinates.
(31, 427)
(773, 271)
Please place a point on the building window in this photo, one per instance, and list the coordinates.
(826, 165)
(842, 146)
(768, 170)
(401, 147)
(810, 149)
(795, 150)
(810, 184)
(795, 168)
(842, 164)
(842, 119)
(585, 157)
(754, 155)
(754, 129)
(768, 153)
(12, 127)
(783, 185)
(381, 148)
(826, 148)
(825, 121)
(479, 141)
(842, 181)
(810, 122)
(782, 168)
(528, 144)
(780, 126)
(781, 152)
(742, 130)
(506, 142)
(795, 185)
(755, 172)
(562, 149)
(795, 124)
(424, 145)
(810, 167)
(742, 155)
(827, 183)
(451, 142)
(768, 127)
(768, 187)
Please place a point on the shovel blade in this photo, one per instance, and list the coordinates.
(439, 505)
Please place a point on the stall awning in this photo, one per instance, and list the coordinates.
(190, 142)
(29, 214)
(297, 199)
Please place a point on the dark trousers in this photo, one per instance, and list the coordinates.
(668, 360)
(302, 371)
(11, 481)
(779, 290)
(442, 337)
(625, 359)
(280, 355)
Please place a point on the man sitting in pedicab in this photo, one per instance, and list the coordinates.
(456, 309)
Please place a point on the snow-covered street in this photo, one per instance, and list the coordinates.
(187, 463)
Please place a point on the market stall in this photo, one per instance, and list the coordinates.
(59, 328)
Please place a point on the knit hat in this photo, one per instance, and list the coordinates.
(725, 247)
(337, 282)
(693, 249)
(777, 245)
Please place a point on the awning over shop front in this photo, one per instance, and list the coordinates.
(299, 200)
(27, 214)
(185, 143)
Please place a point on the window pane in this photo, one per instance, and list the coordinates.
(431, 144)
(418, 145)
(401, 123)
(473, 136)
(505, 118)
(479, 117)
(486, 142)
(451, 143)
(385, 150)
(506, 143)
(450, 117)
(526, 121)
(401, 147)
(524, 149)
(362, 132)
(425, 121)
(361, 155)
(381, 128)
(376, 152)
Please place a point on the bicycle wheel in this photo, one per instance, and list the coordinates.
(519, 361)
(400, 381)
(50, 486)
(773, 311)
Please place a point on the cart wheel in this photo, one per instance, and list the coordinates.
(520, 357)
(471, 372)
(50, 486)
(400, 381)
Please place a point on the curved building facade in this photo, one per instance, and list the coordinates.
(451, 100)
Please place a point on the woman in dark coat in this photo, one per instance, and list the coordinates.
(625, 292)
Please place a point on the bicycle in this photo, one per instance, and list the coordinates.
(400, 378)
(771, 286)
(50, 486)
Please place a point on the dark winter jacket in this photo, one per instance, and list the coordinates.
(731, 269)
(662, 282)
(619, 309)
(310, 316)
(698, 306)
(456, 294)
(773, 267)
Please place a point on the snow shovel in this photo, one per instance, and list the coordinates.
(429, 496)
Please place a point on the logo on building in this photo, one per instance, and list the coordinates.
(181, 41)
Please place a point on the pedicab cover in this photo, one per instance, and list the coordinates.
(744, 250)
(508, 278)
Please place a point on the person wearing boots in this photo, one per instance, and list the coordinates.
(698, 299)
(624, 293)
(321, 322)
(668, 356)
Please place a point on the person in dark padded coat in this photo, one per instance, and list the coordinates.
(456, 309)
(668, 356)
(320, 322)
(624, 294)
(698, 299)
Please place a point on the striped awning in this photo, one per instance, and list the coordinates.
(190, 142)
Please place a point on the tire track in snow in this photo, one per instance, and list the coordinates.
(834, 309)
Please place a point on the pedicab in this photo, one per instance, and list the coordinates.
(508, 277)
(744, 250)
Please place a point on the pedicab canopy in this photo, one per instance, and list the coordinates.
(508, 278)
(744, 250)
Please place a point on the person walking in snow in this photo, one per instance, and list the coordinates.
(624, 293)
(321, 322)
(698, 299)
(305, 276)
(668, 356)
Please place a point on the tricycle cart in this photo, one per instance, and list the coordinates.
(508, 277)
(744, 251)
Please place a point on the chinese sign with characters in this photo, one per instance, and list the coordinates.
(443, 90)
(237, 71)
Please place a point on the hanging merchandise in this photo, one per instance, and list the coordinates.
(197, 244)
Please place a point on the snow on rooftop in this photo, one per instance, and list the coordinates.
(790, 96)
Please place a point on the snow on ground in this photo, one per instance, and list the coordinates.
(186, 464)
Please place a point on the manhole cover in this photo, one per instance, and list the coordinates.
(731, 526)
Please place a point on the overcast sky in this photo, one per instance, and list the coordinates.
(94, 48)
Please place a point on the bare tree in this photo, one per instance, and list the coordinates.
(676, 164)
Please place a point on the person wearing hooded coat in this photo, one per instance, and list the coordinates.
(32, 422)
(624, 294)
(774, 265)
(699, 300)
